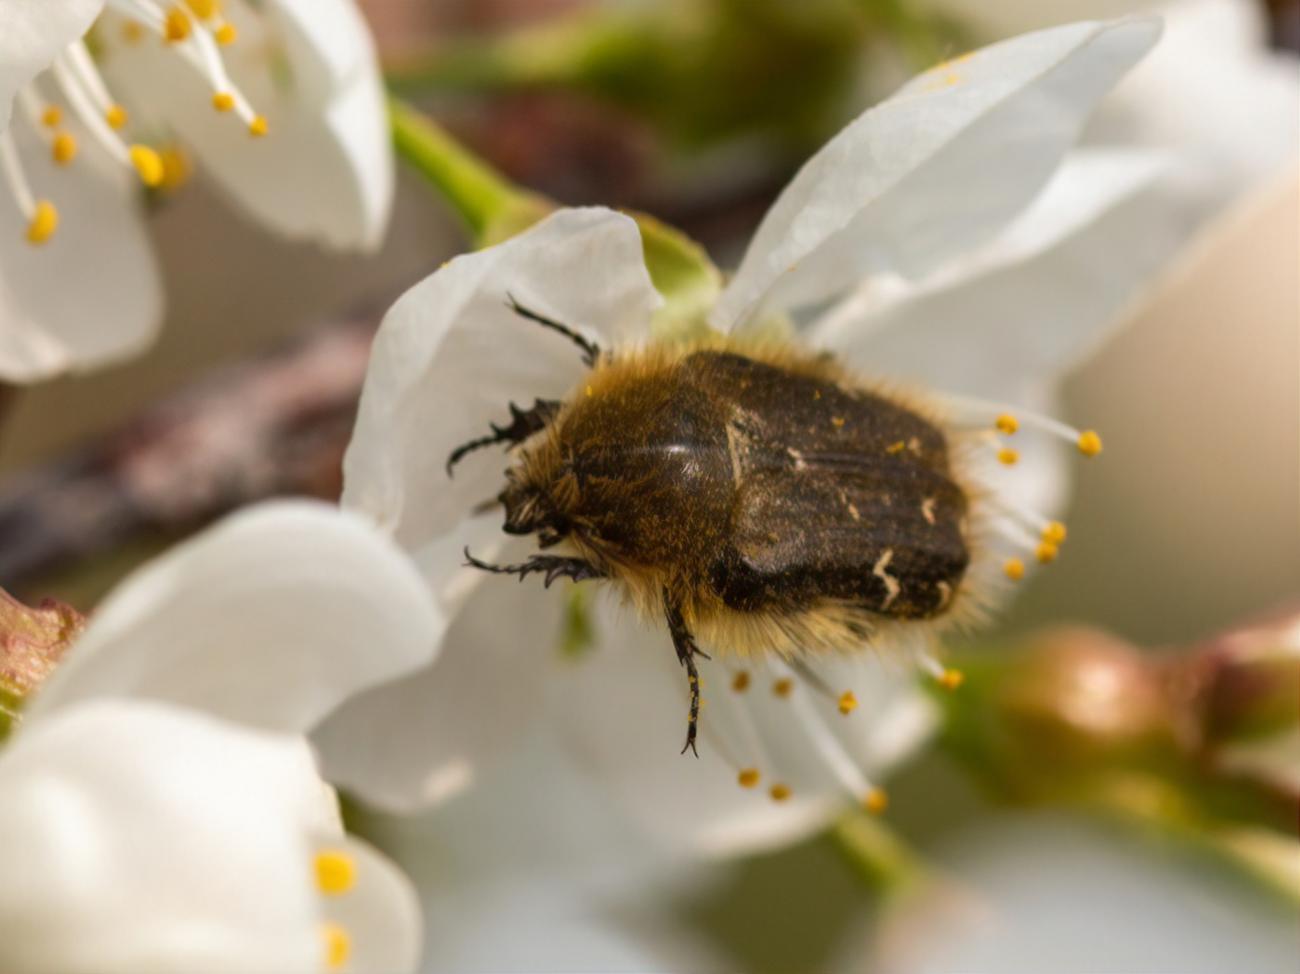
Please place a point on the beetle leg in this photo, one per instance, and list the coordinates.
(590, 350)
(523, 424)
(552, 566)
(684, 643)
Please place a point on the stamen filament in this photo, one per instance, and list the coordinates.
(831, 750)
(12, 169)
(1007, 419)
(199, 50)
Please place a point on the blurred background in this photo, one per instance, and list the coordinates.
(698, 111)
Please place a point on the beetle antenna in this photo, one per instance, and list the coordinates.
(590, 350)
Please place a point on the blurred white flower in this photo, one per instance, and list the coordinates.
(927, 178)
(145, 829)
(270, 619)
(139, 837)
(1212, 92)
(79, 286)
(1046, 892)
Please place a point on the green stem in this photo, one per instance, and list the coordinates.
(1262, 854)
(561, 53)
(877, 854)
(482, 198)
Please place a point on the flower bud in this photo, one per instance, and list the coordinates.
(1078, 697)
(1241, 691)
(32, 641)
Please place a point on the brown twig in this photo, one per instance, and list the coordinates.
(271, 426)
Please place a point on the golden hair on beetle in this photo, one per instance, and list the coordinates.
(760, 498)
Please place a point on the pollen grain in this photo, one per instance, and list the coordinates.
(338, 945)
(44, 221)
(64, 148)
(148, 165)
(951, 679)
(336, 872)
(876, 801)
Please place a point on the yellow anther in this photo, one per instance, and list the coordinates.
(115, 116)
(44, 221)
(876, 801)
(1008, 456)
(148, 165)
(779, 793)
(740, 682)
(898, 447)
(1014, 569)
(258, 126)
(226, 34)
(52, 116)
(176, 167)
(1046, 551)
(589, 391)
(837, 421)
(338, 945)
(1089, 443)
(748, 777)
(783, 687)
(176, 24)
(133, 32)
(1054, 533)
(223, 101)
(64, 148)
(848, 702)
(951, 679)
(1006, 423)
(336, 872)
(204, 9)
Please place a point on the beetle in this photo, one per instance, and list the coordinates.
(755, 496)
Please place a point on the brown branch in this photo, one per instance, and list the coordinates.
(272, 426)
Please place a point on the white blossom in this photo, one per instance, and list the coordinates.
(140, 837)
(162, 809)
(280, 101)
(931, 189)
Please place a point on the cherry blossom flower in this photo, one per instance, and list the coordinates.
(162, 805)
(280, 101)
(141, 837)
(950, 185)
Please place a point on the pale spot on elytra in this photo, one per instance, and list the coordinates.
(892, 588)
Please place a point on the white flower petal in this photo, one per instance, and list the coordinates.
(380, 914)
(624, 707)
(936, 169)
(418, 741)
(138, 838)
(271, 618)
(91, 294)
(326, 41)
(1049, 892)
(450, 355)
(324, 171)
(1214, 92)
(32, 33)
(1019, 313)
